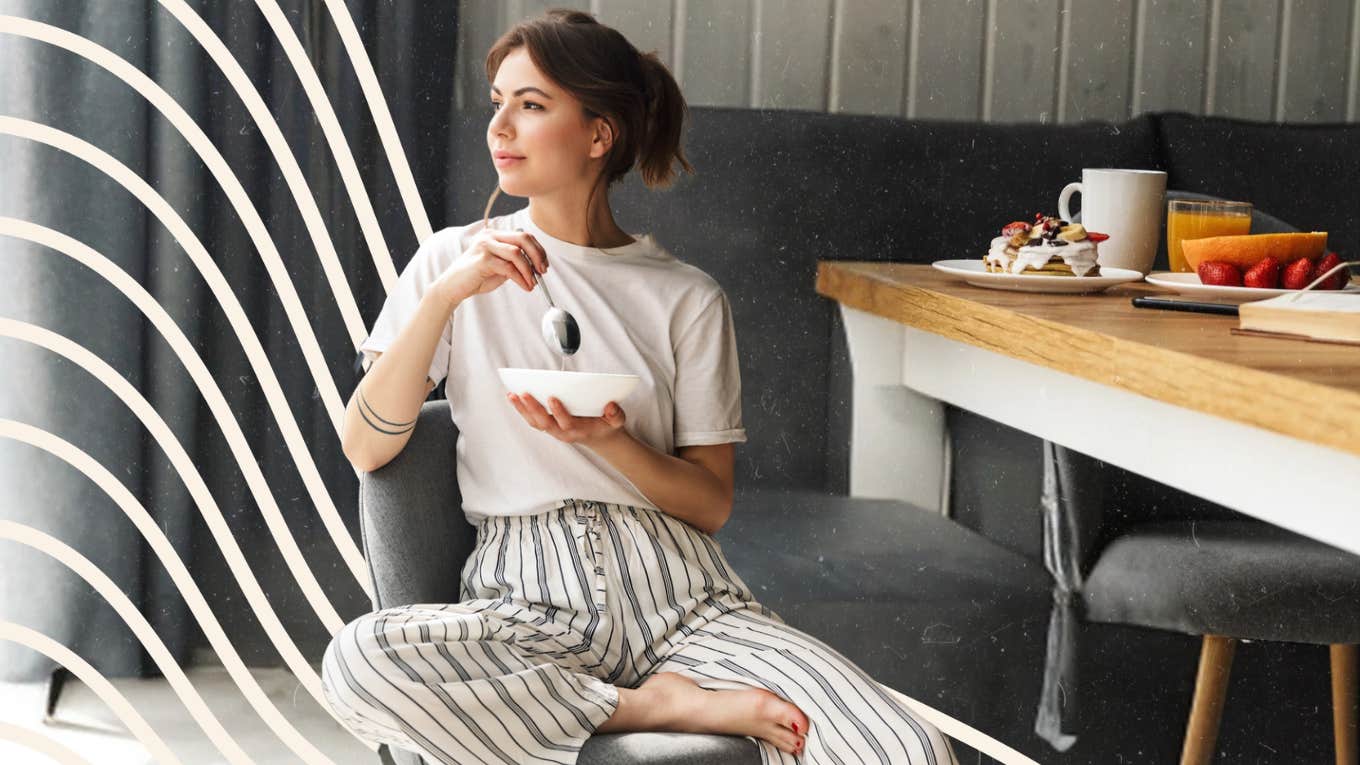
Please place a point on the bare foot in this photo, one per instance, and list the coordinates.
(685, 707)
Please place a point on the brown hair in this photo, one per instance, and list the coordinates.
(634, 91)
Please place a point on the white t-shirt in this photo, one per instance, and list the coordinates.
(640, 310)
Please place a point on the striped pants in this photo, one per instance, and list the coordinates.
(563, 607)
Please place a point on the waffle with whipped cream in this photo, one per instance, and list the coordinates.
(1047, 247)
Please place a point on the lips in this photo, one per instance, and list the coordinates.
(505, 160)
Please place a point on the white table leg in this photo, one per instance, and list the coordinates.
(898, 439)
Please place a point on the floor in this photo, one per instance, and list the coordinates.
(89, 728)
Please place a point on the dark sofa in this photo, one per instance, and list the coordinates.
(951, 612)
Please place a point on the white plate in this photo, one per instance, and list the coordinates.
(975, 272)
(1187, 283)
(584, 394)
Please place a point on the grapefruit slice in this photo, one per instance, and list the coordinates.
(1246, 250)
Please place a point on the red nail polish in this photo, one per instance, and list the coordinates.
(795, 727)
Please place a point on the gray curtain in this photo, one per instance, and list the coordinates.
(412, 47)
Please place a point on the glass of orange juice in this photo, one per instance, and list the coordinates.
(1199, 219)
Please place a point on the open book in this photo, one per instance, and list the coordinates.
(1330, 315)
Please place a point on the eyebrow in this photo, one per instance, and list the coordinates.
(522, 91)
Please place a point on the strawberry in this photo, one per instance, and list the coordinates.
(1221, 274)
(1015, 226)
(1265, 274)
(1297, 274)
(1344, 274)
(1334, 282)
(1096, 236)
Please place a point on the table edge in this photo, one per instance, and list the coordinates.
(943, 314)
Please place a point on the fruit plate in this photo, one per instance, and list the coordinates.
(1189, 284)
(975, 273)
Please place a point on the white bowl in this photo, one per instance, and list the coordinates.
(584, 394)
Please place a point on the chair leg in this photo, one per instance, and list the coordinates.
(1211, 689)
(1344, 700)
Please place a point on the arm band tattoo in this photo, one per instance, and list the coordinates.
(363, 405)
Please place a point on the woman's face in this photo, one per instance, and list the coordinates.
(544, 127)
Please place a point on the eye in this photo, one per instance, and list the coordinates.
(495, 105)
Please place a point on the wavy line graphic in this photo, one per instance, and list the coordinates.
(329, 260)
(236, 315)
(297, 316)
(156, 539)
(194, 703)
(335, 137)
(197, 604)
(236, 194)
(135, 512)
(283, 155)
(962, 732)
(41, 744)
(211, 393)
(382, 119)
(141, 730)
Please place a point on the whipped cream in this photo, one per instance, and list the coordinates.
(1080, 256)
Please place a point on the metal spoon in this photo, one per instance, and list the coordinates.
(560, 330)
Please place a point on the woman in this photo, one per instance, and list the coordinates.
(596, 598)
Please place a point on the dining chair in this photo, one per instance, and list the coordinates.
(1198, 569)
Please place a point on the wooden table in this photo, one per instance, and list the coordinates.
(1265, 426)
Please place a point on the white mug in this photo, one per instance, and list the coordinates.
(1125, 204)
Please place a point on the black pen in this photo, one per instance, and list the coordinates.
(1168, 304)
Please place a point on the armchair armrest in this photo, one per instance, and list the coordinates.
(411, 522)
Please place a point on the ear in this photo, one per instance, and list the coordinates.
(602, 139)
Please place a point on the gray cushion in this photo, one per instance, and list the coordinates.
(668, 749)
(911, 597)
(806, 546)
(652, 749)
(1243, 579)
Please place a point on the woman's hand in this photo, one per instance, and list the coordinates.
(493, 258)
(558, 423)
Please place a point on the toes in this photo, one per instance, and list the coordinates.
(785, 739)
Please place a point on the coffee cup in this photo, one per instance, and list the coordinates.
(1125, 204)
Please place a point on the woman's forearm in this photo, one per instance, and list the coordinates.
(680, 488)
(381, 412)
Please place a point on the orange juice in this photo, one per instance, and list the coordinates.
(1187, 219)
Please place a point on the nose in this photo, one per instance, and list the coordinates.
(500, 122)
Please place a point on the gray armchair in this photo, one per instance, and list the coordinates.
(881, 581)
(416, 540)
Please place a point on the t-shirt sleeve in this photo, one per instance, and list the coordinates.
(708, 379)
(433, 256)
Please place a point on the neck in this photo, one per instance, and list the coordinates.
(566, 220)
